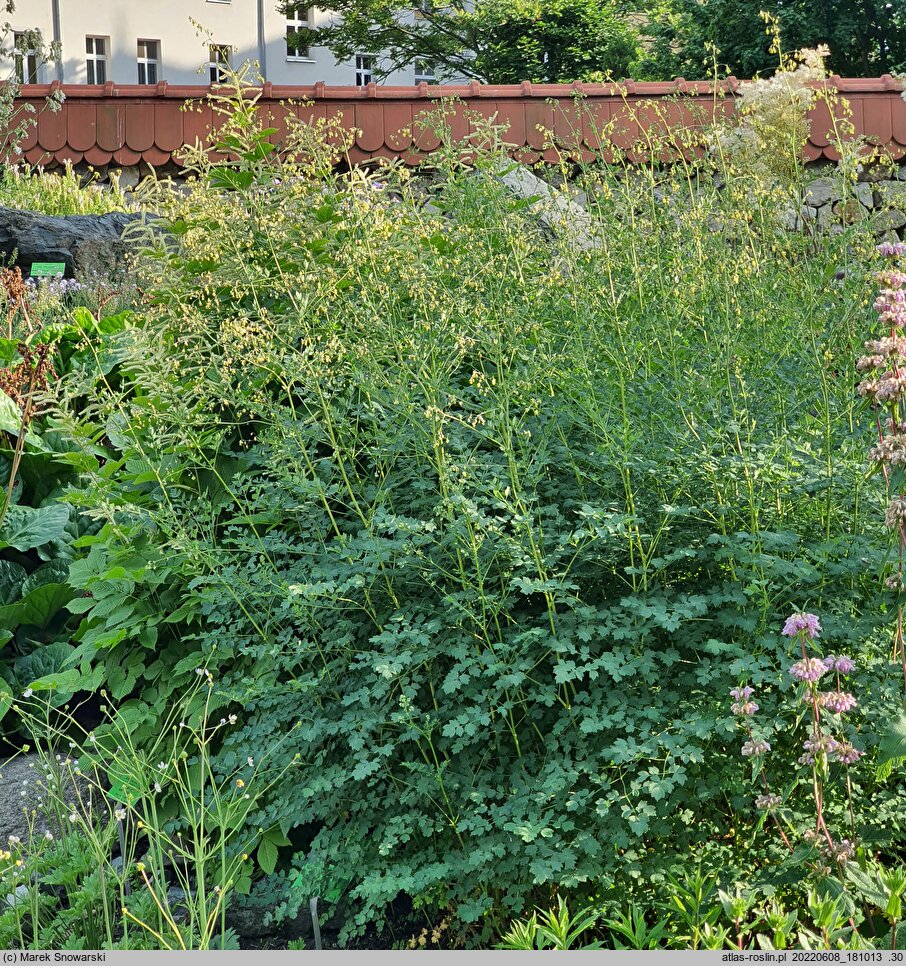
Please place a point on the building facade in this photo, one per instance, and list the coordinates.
(183, 42)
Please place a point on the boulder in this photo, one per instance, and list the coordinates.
(892, 193)
(850, 211)
(821, 191)
(85, 244)
(553, 208)
(25, 811)
(888, 220)
(22, 799)
(865, 193)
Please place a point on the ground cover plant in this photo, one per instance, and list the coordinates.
(471, 529)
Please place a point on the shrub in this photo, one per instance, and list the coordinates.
(488, 525)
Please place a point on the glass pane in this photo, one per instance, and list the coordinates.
(89, 45)
(152, 73)
(99, 46)
(101, 72)
(91, 72)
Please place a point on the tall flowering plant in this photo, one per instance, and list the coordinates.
(821, 681)
(885, 385)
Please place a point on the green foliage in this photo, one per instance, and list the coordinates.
(865, 38)
(496, 41)
(58, 192)
(552, 929)
(481, 524)
(150, 846)
(39, 530)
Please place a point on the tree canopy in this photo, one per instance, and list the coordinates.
(865, 37)
(495, 41)
(507, 41)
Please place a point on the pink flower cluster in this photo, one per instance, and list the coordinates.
(841, 664)
(802, 622)
(742, 706)
(887, 355)
(837, 702)
(809, 669)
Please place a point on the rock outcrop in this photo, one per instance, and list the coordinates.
(85, 244)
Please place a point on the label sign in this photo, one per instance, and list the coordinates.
(47, 269)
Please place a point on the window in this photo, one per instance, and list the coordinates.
(297, 18)
(364, 69)
(148, 61)
(220, 59)
(424, 72)
(26, 57)
(96, 59)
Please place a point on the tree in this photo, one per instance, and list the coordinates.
(865, 37)
(495, 41)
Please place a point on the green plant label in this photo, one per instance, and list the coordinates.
(46, 269)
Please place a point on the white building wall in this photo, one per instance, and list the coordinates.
(183, 52)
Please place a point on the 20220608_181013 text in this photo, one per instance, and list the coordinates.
(815, 956)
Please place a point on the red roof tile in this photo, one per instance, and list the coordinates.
(127, 123)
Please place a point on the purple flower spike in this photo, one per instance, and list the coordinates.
(802, 622)
(809, 669)
(844, 664)
(741, 694)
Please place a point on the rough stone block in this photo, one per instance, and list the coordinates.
(821, 191)
(865, 193)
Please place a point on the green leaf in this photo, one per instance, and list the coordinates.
(48, 660)
(267, 855)
(228, 178)
(26, 528)
(124, 787)
(37, 608)
(11, 421)
(12, 576)
(892, 749)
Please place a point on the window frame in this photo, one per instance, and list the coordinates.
(26, 66)
(216, 65)
(294, 21)
(146, 62)
(361, 71)
(424, 76)
(93, 59)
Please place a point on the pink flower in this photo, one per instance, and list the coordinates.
(744, 708)
(892, 249)
(844, 664)
(802, 622)
(845, 753)
(808, 669)
(836, 702)
(754, 748)
(741, 693)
